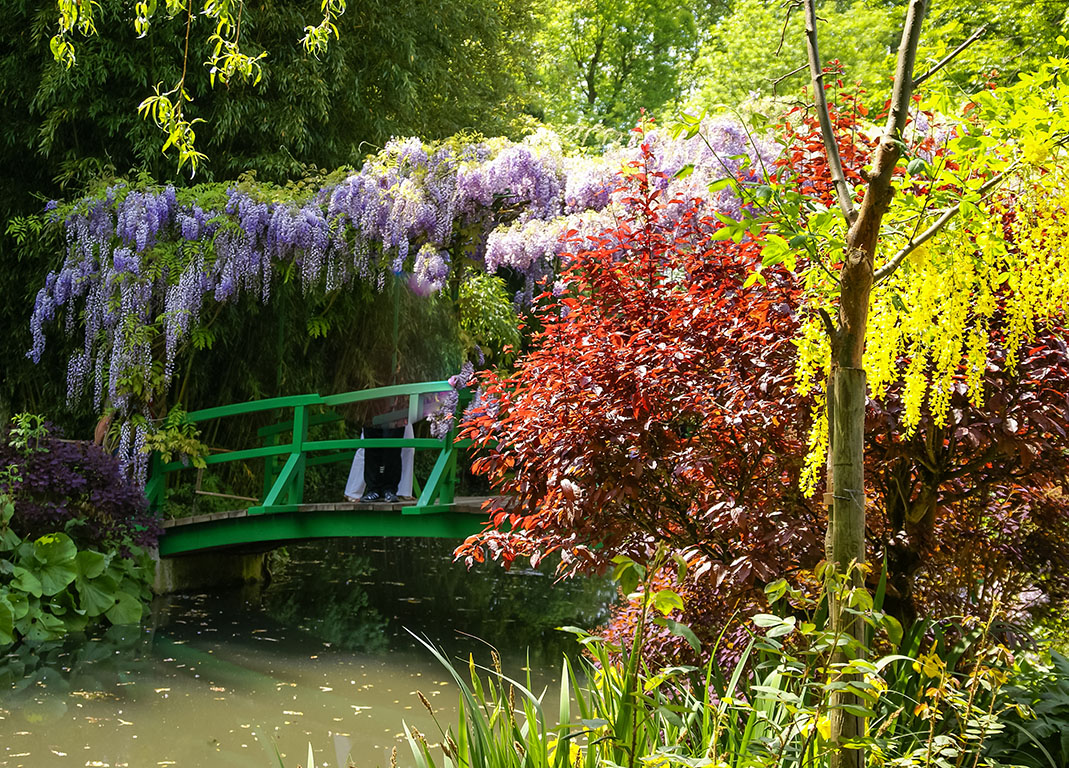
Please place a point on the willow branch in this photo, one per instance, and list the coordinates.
(895, 261)
(950, 56)
(820, 101)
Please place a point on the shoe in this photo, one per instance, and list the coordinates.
(370, 497)
(390, 497)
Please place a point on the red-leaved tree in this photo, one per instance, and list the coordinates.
(656, 404)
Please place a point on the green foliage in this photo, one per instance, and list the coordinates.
(177, 436)
(389, 72)
(601, 61)
(1017, 36)
(488, 318)
(751, 55)
(767, 706)
(26, 432)
(1037, 735)
(49, 588)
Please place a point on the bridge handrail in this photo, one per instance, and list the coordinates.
(288, 482)
(290, 401)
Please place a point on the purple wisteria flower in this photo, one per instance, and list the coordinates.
(138, 264)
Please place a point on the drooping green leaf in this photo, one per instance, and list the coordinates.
(681, 630)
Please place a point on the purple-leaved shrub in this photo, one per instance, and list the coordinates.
(77, 487)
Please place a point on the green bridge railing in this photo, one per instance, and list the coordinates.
(287, 449)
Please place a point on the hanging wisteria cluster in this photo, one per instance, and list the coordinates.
(142, 264)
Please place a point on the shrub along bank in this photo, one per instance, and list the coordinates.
(73, 537)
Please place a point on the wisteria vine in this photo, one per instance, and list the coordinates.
(142, 264)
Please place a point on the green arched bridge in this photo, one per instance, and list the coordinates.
(288, 447)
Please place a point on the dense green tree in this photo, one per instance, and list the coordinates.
(1015, 36)
(411, 67)
(757, 52)
(600, 61)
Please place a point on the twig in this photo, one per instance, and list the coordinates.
(820, 101)
(781, 78)
(907, 57)
(783, 32)
(950, 56)
(889, 268)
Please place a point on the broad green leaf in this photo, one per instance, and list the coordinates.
(917, 166)
(767, 620)
(97, 595)
(8, 539)
(54, 548)
(784, 628)
(7, 623)
(894, 629)
(40, 626)
(776, 590)
(64, 604)
(19, 603)
(56, 578)
(628, 573)
(24, 581)
(667, 600)
(126, 609)
(90, 564)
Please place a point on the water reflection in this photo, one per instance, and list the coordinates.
(321, 653)
(362, 593)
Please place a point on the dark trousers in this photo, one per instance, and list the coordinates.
(382, 466)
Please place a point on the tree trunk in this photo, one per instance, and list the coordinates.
(845, 538)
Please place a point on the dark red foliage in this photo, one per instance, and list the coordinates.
(77, 487)
(978, 509)
(657, 403)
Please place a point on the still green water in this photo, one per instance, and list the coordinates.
(323, 654)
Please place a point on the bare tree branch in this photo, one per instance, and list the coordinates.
(820, 101)
(783, 32)
(950, 56)
(781, 78)
(895, 261)
(865, 229)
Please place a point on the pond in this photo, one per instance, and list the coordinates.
(323, 654)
